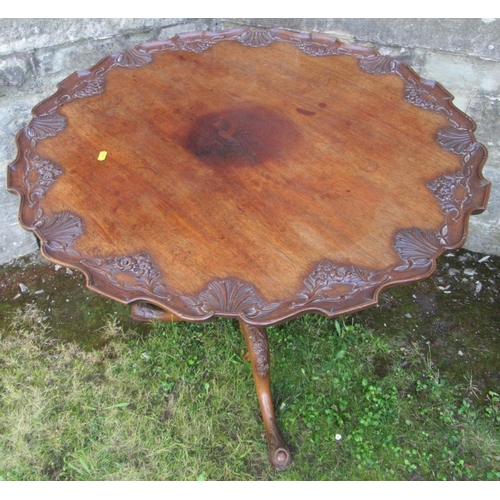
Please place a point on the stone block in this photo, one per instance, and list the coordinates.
(483, 238)
(14, 240)
(20, 35)
(485, 109)
(14, 114)
(491, 215)
(462, 72)
(15, 70)
(54, 64)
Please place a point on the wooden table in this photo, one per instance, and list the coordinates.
(256, 175)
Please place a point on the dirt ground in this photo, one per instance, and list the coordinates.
(454, 315)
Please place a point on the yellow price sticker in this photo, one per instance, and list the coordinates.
(102, 155)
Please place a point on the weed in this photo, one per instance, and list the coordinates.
(493, 407)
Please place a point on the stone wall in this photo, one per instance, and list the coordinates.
(461, 54)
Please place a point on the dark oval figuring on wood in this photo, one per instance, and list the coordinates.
(241, 136)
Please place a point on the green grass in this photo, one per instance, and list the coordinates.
(177, 402)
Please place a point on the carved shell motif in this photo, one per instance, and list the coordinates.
(457, 140)
(228, 297)
(256, 38)
(60, 231)
(45, 126)
(378, 65)
(134, 58)
(416, 247)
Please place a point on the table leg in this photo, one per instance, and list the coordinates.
(258, 347)
(143, 311)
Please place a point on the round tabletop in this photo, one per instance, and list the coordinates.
(253, 174)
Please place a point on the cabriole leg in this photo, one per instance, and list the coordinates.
(258, 348)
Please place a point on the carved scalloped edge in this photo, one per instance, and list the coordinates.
(329, 288)
(417, 250)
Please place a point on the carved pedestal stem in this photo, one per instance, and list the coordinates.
(258, 348)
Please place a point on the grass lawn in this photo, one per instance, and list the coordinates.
(177, 402)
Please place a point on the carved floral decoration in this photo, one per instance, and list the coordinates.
(333, 282)
(131, 272)
(38, 176)
(416, 94)
(258, 343)
(452, 191)
(88, 88)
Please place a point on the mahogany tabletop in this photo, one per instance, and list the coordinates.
(251, 174)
